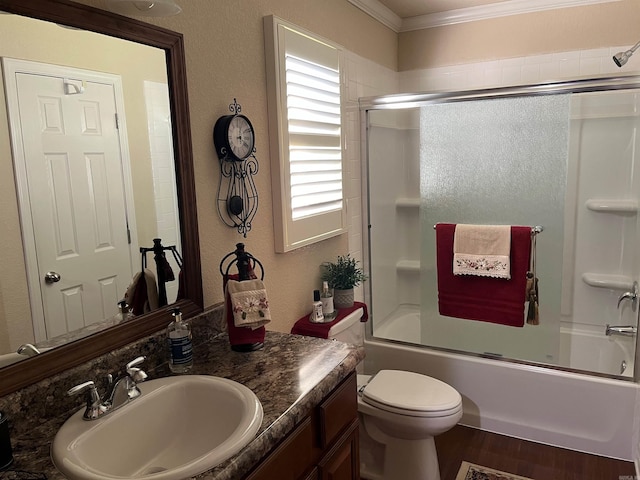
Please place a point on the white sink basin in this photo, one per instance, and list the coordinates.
(179, 427)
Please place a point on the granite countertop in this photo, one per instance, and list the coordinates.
(290, 376)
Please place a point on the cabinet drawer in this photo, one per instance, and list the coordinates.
(292, 457)
(338, 411)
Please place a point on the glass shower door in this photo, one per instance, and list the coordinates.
(564, 161)
(495, 162)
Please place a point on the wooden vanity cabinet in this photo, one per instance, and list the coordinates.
(323, 446)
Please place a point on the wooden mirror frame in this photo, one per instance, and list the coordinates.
(66, 12)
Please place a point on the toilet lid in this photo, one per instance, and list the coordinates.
(413, 393)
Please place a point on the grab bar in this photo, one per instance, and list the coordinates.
(624, 330)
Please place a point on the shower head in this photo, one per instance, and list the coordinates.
(621, 58)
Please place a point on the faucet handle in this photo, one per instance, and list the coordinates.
(633, 296)
(83, 387)
(28, 349)
(136, 374)
(136, 361)
(94, 406)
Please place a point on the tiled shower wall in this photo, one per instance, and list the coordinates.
(519, 71)
(364, 78)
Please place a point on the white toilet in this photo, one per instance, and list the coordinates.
(400, 413)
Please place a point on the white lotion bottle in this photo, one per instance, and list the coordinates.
(180, 346)
(316, 312)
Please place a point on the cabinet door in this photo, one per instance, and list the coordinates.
(292, 458)
(343, 461)
(338, 411)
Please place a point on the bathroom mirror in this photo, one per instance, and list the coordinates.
(65, 13)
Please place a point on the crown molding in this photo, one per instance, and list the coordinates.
(380, 12)
(462, 15)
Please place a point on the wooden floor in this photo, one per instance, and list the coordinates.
(528, 459)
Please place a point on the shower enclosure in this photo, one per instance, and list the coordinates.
(559, 156)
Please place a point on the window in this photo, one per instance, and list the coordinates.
(303, 81)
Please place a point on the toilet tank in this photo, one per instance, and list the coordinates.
(350, 329)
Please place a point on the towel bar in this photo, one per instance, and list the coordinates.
(534, 230)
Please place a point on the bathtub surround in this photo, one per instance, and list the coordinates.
(557, 179)
(593, 351)
(290, 376)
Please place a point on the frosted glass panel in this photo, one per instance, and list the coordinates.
(499, 161)
(394, 229)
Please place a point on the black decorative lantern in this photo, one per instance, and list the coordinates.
(234, 140)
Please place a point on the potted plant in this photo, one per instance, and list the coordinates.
(343, 275)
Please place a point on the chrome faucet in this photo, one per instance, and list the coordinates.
(121, 391)
(28, 350)
(624, 330)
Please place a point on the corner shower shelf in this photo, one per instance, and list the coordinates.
(612, 206)
(602, 280)
(408, 266)
(407, 202)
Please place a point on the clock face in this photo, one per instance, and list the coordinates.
(240, 137)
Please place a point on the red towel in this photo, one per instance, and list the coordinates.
(321, 330)
(494, 300)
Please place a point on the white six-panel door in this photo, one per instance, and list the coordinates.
(70, 151)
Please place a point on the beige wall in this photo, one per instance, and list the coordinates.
(567, 29)
(225, 60)
(140, 63)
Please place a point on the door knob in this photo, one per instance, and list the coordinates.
(51, 277)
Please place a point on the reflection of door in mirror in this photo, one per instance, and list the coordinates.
(146, 182)
(71, 176)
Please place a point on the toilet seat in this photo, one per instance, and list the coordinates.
(411, 394)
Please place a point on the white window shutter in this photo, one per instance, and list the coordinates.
(306, 136)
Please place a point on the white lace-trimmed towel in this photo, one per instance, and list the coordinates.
(249, 303)
(482, 250)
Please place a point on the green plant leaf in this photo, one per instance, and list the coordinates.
(344, 273)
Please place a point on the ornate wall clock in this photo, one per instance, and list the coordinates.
(234, 141)
(234, 137)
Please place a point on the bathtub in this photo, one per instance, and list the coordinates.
(572, 410)
(581, 348)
